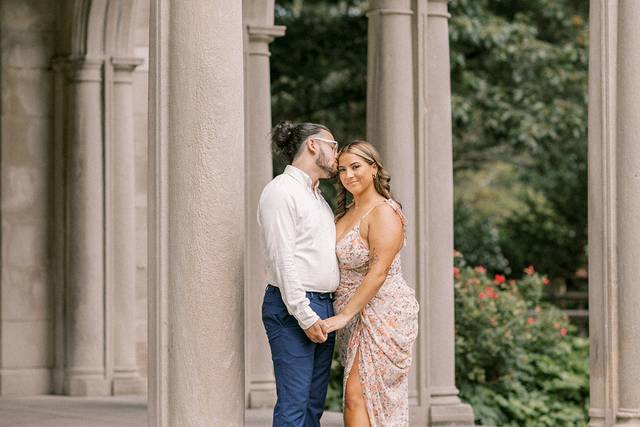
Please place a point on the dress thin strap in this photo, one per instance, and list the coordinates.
(370, 210)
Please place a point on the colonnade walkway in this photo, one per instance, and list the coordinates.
(121, 411)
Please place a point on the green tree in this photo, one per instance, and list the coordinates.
(519, 92)
(319, 68)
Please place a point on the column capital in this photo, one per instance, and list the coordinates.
(390, 7)
(84, 69)
(261, 35)
(126, 63)
(438, 8)
(372, 12)
(123, 68)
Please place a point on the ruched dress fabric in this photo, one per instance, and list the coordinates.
(381, 335)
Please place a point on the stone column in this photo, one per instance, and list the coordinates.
(445, 405)
(390, 104)
(391, 128)
(84, 256)
(628, 196)
(121, 230)
(603, 281)
(196, 227)
(614, 229)
(259, 369)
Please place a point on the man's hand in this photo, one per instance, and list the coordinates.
(316, 333)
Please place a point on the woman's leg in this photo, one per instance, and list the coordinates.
(355, 407)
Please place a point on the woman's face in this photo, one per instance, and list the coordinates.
(355, 173)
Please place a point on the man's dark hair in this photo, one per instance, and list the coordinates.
(287, 137)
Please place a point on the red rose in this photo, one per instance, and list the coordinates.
(499, 279)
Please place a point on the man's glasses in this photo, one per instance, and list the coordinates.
(334, 144)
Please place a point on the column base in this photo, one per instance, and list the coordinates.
(25, 382)
(450, 411)
(626, 417)
(129, 385)
(86, 386)
(262, 398)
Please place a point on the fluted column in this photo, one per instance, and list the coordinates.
(197, 207)
(603, 280)
(446, 407)
(84, 257)
(258, 367)
(628, 196)
(122, 230)
(614, 229)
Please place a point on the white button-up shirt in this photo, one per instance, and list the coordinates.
(299, 241)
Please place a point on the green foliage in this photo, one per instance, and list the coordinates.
(519, 93)
(518, 362)
(334, 393)
(319, 68)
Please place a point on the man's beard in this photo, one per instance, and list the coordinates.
(321, 162)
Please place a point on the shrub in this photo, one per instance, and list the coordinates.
(518, 362)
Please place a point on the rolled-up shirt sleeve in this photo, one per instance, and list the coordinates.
(277, 218)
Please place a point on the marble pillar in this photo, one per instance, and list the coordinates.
(84, 255)
(628, 217)
(445, 405)
(122, 230)
(196, 206)
(614, 198)
(602, 208)
(260, 385)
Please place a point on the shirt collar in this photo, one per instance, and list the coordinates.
(302, 177)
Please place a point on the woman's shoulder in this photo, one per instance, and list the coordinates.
(388, 212)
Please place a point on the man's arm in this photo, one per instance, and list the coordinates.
(276, 215)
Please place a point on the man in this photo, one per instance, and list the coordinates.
(299, 237)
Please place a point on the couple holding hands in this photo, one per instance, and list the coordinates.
(335, 278)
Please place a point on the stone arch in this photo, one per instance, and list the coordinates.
(95, 211)
(95, 28)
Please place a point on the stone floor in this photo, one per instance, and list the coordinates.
(126, 411)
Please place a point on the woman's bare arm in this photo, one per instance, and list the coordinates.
(385, 239)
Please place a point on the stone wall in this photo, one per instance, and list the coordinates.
(26, 321)
(26, 141)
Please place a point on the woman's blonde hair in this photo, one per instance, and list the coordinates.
(381, 181)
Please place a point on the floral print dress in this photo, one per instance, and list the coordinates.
(381, 335)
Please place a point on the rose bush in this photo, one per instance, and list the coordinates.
(518, 362)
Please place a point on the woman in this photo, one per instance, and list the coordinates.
(377, 320)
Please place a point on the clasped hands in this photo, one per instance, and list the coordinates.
(320, 330)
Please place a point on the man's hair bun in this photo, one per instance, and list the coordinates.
(287, 137)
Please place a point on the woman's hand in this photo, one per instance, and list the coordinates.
(334, 323)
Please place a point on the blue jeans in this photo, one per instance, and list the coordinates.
(301, 366)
